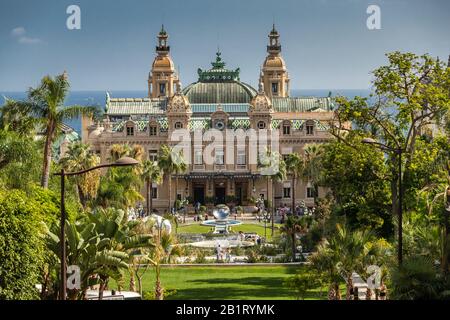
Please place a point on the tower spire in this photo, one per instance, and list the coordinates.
(274, 47)
(162, 48)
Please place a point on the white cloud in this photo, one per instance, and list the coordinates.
(19, 31)
(27, 40)
(20, 34)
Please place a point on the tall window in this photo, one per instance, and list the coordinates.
(154, 192)
(311, 192)
(153, 155)
(219, 156)
(198, 156)
(309, 128)
(286, 129)
(153, 130)
(275, 87)
(130, 131)
(162, 89)
(286, 192)
(241, 156)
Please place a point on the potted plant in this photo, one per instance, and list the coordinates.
(240, 211)
(209, 201)
(230, 200)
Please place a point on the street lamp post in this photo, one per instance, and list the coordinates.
(124, 161)
(398, 151)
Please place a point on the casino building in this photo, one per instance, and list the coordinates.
(218, 99)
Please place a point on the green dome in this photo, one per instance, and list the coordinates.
(219, 85)
(219, 92)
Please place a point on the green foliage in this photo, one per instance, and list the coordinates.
(121, 186)
(302, 283)
(21, 245)
(78, 157)
(356, 176)
(150, 295)
(20, 160)
(418, 279)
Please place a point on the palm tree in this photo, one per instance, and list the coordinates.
(441, 193)
(151, 173)
(325, 261)
(376, 253)
(295, 167)
(312, 166)
(121, 238)
(46, 104)
(121, 186)
(291, 228)
(79, 157)
(275, 170)
(349, 246)
(418, 278)
(165, 249)
(171, 163)
(15, 116)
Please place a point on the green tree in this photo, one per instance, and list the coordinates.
(19, 160)
(418, 278)
(15, 117)
(417, 88)
(294, 167)
(46, 104)
(21, 245)
(292, 227)
(349, 246)
(274, 168)
(357, 178)
(171, 162)
(151, 173)
(121, 186)
(79, 157)
(325, 261)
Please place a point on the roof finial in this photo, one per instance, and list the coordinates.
(261, 84)
(162, 29)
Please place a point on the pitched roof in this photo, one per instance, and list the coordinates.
(302, 104)
(122, 106)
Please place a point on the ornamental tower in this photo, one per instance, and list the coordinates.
(274, 75)
(162, 79)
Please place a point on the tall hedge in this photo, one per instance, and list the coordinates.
(21, 244)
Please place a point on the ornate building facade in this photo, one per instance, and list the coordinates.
(218, 100)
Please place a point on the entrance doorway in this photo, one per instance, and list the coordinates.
(219, 195)
(238, 194)
(199, 195)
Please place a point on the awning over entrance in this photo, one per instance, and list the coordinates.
(219, 175)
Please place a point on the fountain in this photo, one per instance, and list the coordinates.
(222, 222)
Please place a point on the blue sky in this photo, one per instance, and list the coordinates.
(326, 43)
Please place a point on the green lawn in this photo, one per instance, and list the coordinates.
(245, 227)
(226, 282)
